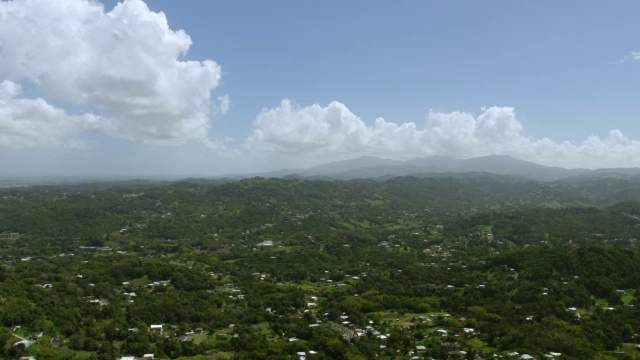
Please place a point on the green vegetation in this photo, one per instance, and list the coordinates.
(269, 268)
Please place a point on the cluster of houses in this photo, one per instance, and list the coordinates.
(155, 284)
(8, 236)
(302, 355)
(144, 357)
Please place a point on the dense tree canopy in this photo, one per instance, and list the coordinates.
(268, 268)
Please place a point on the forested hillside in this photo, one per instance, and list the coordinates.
(443, 267)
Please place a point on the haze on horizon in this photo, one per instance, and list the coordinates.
(138, 88)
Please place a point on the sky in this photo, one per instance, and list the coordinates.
(169, 88)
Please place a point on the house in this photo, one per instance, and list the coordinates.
(442, 332)
(267, 244)
(148, 356)
(24, 342)
(421, 348)
(156, 329)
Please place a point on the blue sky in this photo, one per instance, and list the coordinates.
(551, 60)
(550, 82)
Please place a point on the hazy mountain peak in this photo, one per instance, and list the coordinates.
(375, 167)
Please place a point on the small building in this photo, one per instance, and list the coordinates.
(267, 244)
(156, 329)
(24, 342)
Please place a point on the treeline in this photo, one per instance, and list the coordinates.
(579, 225)
(82, 213)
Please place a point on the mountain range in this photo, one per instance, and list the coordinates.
(374, 167)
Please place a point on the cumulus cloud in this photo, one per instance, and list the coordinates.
(124, 66)
(334, 131)
(289, 128)
(34, 123)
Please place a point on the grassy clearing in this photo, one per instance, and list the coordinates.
(140, 281)
(601, 302)
(392, 317)
(306, 286)
(630, 295)
(198, 338)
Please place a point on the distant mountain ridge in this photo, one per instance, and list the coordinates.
(374, 167)
(499, 167)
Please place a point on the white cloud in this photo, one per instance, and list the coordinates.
(223, 105)
(333, 132)
(634, 55)
(289, 128)
(34, 123)
(125, 66)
